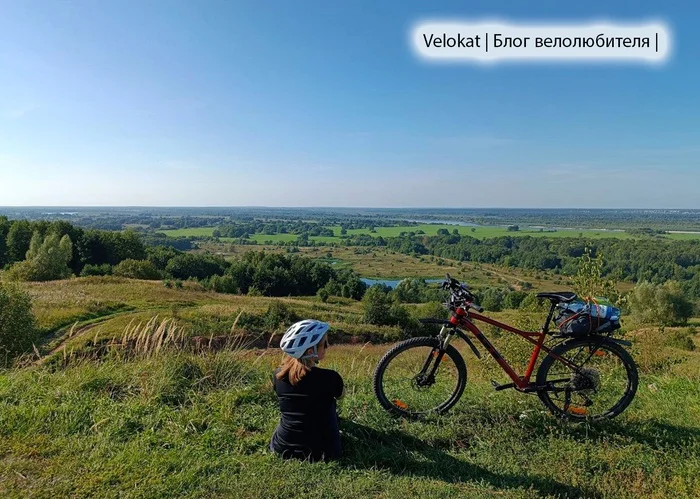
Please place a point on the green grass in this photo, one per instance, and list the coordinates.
(179, 424)
(75, 312)
(683, 237)
(261, 238)
(431, 230)
(428, 229)
(190, 232)
(185, 425)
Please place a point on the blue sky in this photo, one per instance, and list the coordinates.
(324, 104)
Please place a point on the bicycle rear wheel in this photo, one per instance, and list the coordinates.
(415, 378)
(601, 387)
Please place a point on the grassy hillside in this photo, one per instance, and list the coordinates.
(94, 417)
(186, 425)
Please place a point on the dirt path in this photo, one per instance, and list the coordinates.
(80, 330)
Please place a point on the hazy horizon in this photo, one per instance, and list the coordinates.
(434, 208)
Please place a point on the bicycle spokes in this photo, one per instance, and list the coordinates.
(592, 389)
(420, 379)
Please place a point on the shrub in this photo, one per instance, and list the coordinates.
(137, 269)
(682, 339)
(375, 305)
(323, 295)
(589, 280)
(399, 316)
(188, 265)
(660, 304)
(222, 284)
(514, 299)
(18, 326)
(91, 270)
(279, 314)
(492, 299)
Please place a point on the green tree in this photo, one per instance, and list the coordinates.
(189, 265)
(46, 260)
(376, 305)
(18, 239)
(514, 299)
(18, 326)
(493, 299)
(589, 280)
(62, 228)
(410, 290)
(4, 229)
(660, 304)
(127, 244)
(159, 256)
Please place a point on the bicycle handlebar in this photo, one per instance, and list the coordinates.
(460, 293)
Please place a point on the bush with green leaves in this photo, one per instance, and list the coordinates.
(514, 299)
(186, 265)
(137, 269)
(18, 326)
(278, 314)
(659, 304)
(414, 290)
(46, 260)
(376, 305)
(589, 280)
(493, 299)
(91, 270)
(682, 339)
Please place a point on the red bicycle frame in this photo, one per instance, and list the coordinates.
(462, 318)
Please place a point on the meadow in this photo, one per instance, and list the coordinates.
(90, 414)
(481, 232)
(182, 424)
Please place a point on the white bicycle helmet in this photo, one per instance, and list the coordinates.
(301, 336)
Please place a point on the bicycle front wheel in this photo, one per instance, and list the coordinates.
(416, 378)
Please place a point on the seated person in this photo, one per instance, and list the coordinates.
(307, 394)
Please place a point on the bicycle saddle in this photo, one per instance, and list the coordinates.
(558, 296)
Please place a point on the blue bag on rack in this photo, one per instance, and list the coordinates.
(589, 316)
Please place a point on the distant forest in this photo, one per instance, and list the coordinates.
(653, 260)
(155, 218)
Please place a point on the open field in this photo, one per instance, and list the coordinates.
(431, 230)
(683, 236)
(186, 425)
(176, 423)
(91, 418)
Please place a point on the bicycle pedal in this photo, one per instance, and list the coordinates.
(498, 387)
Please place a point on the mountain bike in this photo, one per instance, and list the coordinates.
(584, 377)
